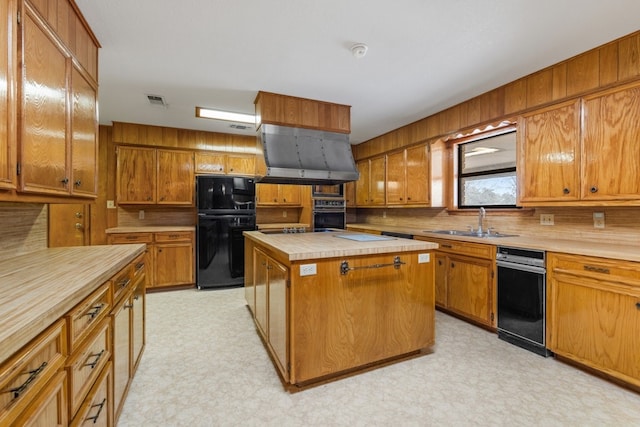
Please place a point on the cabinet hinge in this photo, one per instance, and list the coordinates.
(19, 18)
(18, 169)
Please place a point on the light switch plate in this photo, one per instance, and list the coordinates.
(598, 220)
(308, 269)
(111, 204)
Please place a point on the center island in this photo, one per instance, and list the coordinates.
(330, 304)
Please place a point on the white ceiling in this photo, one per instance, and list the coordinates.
(424, 55)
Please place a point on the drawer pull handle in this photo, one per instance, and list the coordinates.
(638, 305)
(124, 283)
(344, 266)
(96, 360)
(139, 266)
(94, 311)
(446, 246)
(173, 236)
(97, 415)
(596, 269)
(132, 237)
(128, 306)
(32, 376)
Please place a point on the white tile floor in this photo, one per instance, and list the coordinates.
(204, 365)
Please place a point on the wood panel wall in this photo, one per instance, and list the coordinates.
(23, 228)
(611, 64)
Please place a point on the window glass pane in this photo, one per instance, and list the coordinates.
(488, 190)
(498, 152)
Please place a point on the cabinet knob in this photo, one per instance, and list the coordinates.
(78, 215)
(64, 181)
(78, 183)
(638, 305)
(452, 265)
(594, 189)
(78, 226)
(439, 262)
(566, 190)
(149, 198)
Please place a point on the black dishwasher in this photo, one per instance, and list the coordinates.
(394, 234)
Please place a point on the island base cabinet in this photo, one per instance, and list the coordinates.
(50, 409)
(340, 322)
(593, 313)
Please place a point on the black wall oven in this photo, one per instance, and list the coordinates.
(522, 298)
(328, 213)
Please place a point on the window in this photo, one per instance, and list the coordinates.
(487, 171)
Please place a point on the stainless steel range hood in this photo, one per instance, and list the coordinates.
(305, 156)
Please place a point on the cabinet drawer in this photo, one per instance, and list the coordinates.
(139, 269)
(174, 236)
(23, 375)
(626, 272)
(86, 314)
(120, 283)
(49, 408)
(85, 365)
(478, 250)
(117, 239)
(96, 411)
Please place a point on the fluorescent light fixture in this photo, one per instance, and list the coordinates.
(207, 113)
(480, 150)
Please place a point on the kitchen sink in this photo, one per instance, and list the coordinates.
(467, 233)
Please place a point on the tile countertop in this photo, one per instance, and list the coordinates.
(302, 246)
(150, 229)
(577, 247)
(38, 288)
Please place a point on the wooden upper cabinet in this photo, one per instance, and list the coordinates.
(136, 175)
(408, 177)
(175, 177)
(301, 112)
(610, 145)
(362, 184)
(84, 135)
(43, 142)
(241, 165)
(549, 154)
(278, 195)
(210, 163)
(370, 187)
(8, 101)
(228, 164)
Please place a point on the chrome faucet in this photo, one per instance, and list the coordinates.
(481, 215)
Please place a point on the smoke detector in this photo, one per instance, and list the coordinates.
(359, 50)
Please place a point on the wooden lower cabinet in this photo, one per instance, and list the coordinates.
(50, 408)
(96, 411)
(593, 313)
(465, 280)
(170, 257)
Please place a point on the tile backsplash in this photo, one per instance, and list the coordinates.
(23, 228)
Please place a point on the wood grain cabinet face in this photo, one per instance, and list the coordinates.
(278, 195)
(370, 187)
(610, 143)
(50, 408)
(549, 155)
(84, 135)
(175, 177)
(96, 411)
(407, 177)
(136, 175)
(8, 101)
(43, 141)
(241, 165)
(593, 313)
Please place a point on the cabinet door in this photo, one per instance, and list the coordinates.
(8, 102)
(441, 279)
(49, 408)
(596, 323)
(69, 225)
(260, 288)
(137, 325)
(610, 145)
(469, 288)
(289, 195)
(396, 178)
(377, 179)
(173, 264)
(84, 136)
(362, 184)
(350, 193)
(278, 276)
(549, 155)
(418, 176)
(175, 177)
(121, 353)
(211, 163)
(241, 165)
(43, 142)
(136, 175)
(267, 194)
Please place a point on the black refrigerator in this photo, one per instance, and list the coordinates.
(226, 207)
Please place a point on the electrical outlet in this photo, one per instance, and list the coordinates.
(284, 214)
(598, 220)
(308, 269)
(384, 214)
(111, 204)
(140, 214)
(422, 258)
(546, 219)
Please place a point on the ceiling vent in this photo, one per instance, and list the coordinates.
(157, 101)
(240, 127)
